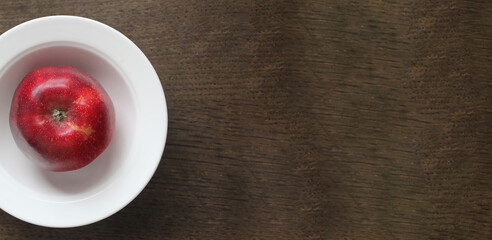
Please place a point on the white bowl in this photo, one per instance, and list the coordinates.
(116, 177)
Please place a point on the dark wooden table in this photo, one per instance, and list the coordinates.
(305, 119)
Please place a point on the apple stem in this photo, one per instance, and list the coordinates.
(58, 115)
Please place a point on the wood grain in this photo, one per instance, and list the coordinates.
(305, 119)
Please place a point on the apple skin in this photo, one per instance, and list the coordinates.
(61, 118)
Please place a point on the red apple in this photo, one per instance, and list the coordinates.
(61, 118)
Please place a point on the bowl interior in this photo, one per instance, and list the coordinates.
(85, 182)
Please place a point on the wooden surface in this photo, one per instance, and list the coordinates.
(305, 119)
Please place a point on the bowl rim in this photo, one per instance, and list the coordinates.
(116, 47)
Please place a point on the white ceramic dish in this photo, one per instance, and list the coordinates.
(116, 177)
